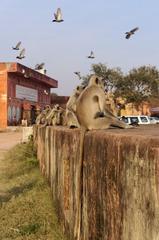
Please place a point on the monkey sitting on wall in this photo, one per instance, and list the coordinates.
(71, 118)
(91, 110)
(42, 116)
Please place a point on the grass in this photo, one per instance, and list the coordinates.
(26, 209)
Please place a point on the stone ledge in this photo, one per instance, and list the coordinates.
(118, 181)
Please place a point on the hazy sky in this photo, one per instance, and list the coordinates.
(97, 25)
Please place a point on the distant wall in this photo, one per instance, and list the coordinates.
(61, 100)
(114, 195)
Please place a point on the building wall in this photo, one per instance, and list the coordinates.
(61, 100)
(3, 99)
(14, 80)
(131, 109)
(20, 108)
(30, 96)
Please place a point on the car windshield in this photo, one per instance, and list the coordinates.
(151, 118)
(134, 120)
(125, 119)
(143, 119)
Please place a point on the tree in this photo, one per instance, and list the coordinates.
(139, 84)
(110, 76)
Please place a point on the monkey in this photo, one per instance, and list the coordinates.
(91, 109)
(58, 116)
(41, 117)
(71, 104)
(71, 118)
(49, 116)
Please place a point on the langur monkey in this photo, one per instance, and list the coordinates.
(91, 108)
(71, 118)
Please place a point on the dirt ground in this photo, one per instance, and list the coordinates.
(9, 140)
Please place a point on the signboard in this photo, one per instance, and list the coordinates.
(26, 93)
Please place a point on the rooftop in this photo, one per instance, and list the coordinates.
(21, 70)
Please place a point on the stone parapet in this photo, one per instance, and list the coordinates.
(110, 189)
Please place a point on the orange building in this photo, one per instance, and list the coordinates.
(23, 93)
(126, 109)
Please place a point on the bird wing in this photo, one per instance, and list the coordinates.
(36, 66)
(41, 65)
(55, 16)
(59, 14)
(78, 74)
(134, 30)
(18, 44)
(22, 53)
(92, 54)
(128, 36)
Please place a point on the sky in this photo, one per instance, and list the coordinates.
(97, 25)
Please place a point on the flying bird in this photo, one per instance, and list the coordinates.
(78, 74)
(17, 47)
(36, 66)
(128, 34)
(39, 66)
(91, 55)
(58, 16)
(21, 54)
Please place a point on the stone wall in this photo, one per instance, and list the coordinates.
(108, 191)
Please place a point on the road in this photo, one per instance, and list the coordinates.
(9, 140)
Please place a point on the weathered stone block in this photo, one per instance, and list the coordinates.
(113, 193)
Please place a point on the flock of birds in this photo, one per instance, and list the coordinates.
(22, 52)
(58, 19)
(22, 55)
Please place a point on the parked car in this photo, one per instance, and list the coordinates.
(154, 120)
(157, 119)
(143, 119)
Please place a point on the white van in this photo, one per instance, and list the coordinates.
(143, 119)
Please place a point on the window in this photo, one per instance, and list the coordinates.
(143, 119)
(125, 119)
(134, 120)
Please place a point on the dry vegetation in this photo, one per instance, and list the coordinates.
(26, 210)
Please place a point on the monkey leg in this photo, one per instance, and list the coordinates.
(72, 119)
(99, 123)
(106, 122)
(118, 123)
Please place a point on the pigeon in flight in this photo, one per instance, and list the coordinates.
(128, 34)
(58, 16)
(91, 55)
(78, 74)
(17, 47)
(21, 54)
(39, 66)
